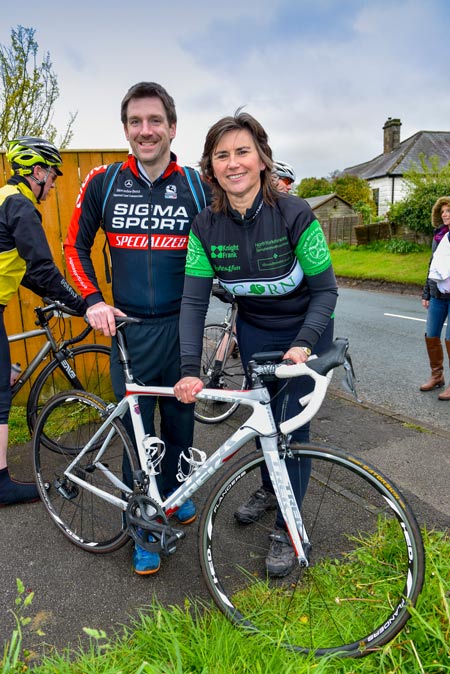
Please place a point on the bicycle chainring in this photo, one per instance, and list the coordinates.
(149, 527)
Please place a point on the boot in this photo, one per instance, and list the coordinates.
(436, 358)
(445, 395)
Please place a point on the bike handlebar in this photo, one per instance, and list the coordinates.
(317, 369)
(264, 367)
(56, 305)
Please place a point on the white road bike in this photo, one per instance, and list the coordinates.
(360, 558)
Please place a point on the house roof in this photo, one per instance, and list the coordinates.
(316, 202)
(398, 161)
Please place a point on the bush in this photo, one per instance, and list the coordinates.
(426, 182)
(340, 245)
(403, 247)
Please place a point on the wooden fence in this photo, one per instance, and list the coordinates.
(341, 228)
(56, 213)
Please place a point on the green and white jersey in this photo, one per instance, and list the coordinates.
(271, 260)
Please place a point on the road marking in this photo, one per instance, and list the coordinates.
(408, 318)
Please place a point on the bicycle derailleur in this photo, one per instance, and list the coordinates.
(145, 516)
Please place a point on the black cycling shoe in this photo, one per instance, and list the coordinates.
(260, 502)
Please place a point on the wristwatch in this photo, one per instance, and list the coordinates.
(306, 349)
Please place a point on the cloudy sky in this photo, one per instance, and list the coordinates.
(322, 76)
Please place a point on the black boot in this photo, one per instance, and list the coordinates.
(12, 491)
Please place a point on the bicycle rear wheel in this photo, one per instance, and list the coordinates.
(218, 341)
(366, 562)
(69, 420)
(90, 362)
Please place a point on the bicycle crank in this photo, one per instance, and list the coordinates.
(145, 516)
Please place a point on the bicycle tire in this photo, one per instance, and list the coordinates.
(69, 419)
(91, 362)
(230, 376)
(366, 562)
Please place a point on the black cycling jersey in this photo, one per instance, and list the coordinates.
(147, 228)
(276, 263)
(25, 256)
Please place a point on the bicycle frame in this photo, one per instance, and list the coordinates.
(50, 346)
(260, 424)
(36, 360)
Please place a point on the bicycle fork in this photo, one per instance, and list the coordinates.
(287, 501)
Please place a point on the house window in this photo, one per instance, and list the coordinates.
(376, 198)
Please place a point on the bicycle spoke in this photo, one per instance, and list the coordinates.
(366, 558)
(88, 520)
(221, 368)
(90, 362)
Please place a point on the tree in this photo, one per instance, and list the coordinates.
(313, 187)
(28, 91)
(349, 187)
(353, 189)
(426, 182)
(358, 193)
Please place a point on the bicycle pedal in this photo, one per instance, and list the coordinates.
(168, 545)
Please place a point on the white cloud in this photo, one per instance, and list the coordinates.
(322, 76)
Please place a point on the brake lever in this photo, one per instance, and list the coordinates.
(348, 381)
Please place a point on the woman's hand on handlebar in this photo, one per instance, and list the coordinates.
(296, 354)
(100, 316)
(187, 388)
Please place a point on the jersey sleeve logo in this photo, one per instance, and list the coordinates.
(312, 250)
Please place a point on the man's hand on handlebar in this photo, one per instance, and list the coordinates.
(187, 388)
(100, 316)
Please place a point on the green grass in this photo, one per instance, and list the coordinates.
(189, 639)
(17, 426)
(365, 263)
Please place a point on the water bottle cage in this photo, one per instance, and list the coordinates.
(189, 461)
(155, 450)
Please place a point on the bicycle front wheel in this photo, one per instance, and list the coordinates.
(87, 519)
(366, 564)
(90, 363)
(221, 367)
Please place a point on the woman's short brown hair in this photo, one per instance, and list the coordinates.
(237, 122)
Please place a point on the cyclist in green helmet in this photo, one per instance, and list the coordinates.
(25, 259)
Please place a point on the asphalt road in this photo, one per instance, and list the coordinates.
(386, 334)
(75, 589)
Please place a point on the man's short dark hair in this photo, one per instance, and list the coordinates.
(149, 90)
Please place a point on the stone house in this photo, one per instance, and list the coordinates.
(385, 172)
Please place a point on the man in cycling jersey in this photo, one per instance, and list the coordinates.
(146, 212)
(283, 176)
(25, 259)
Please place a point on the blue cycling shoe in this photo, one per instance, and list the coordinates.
(187, 513)
(145, 562)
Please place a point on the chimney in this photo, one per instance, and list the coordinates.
(391, 135)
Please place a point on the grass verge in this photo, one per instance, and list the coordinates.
(189, 639)
(369, 263)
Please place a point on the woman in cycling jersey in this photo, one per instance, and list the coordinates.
(269, 251)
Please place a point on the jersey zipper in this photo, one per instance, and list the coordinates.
(152, 297)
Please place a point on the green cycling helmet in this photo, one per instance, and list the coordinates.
(28, 151)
